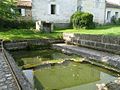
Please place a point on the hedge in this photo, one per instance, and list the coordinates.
(6, 23)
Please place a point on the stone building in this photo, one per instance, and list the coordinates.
(60, 11)
(25, 8)
(112, 9)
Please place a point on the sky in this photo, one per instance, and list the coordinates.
(114, 1)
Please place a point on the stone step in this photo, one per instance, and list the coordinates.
(99, 56)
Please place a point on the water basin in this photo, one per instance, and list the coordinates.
(67, 76)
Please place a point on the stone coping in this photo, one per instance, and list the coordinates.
(7, 77)
(20, 77)
(99, 56)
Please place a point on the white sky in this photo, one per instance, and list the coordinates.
(114, 1)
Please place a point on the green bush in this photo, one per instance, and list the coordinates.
(113, 20)
(118, 21)
(6, 23)
(82, 20)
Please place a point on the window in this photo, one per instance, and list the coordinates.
(53, 9)
(23, 12)
(108, 15)
(116, 15)
(19, 10)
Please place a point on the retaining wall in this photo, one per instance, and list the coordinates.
(23, 44)
(100, 42)
(21, 78)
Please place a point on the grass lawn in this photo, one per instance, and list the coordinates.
(104, 30)
(13, 34)
(10, 34)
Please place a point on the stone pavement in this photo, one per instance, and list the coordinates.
(108, 58)
(7, 79)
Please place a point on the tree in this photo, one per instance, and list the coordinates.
(7, 9)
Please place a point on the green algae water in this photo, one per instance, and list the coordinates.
(67, 76)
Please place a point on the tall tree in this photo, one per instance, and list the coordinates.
(7, 9)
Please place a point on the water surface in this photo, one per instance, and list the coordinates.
(67, 76)
(73, 76)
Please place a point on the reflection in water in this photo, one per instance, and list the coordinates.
(66, 76)
(37, 57)
(38, 85)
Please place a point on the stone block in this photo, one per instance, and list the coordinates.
(89, 43)
(79, 42)
(89, 37)
(119, 40)
(44, 26)
(100, 45)
(82, 42)
(110, 39)
(112, 47)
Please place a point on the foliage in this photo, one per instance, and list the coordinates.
(20, 62)
(7, 9)
(114, 20)
(8, 16)
(82, 20)
(8, 23)
(118, 21)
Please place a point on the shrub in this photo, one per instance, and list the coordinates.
(82, 20)
(113, 20)
(118, 21)
(7, 23)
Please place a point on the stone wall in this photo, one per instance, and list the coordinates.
(20, 77)
(112, 13)
(100, 42)
(23, 44)
(95, 7)
(41, 10)
(62, 25)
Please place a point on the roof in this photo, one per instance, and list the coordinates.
(112, 5)
(28, 4)
(24, 3)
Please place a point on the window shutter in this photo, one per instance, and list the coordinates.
(49, 9)
(57, 9)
